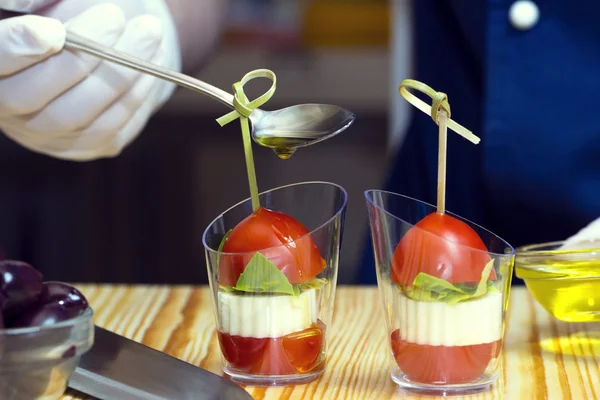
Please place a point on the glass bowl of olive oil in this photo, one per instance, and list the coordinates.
(566, 282)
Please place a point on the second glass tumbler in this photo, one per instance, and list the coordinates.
(444, 282)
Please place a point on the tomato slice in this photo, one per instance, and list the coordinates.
(266, 231)
(442, 364)
(441, 246)
(240, 351)
(296, 353)
(302, 349)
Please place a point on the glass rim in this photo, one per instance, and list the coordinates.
(367, 192)
(529, 250)
(327, 222)
(86, 316)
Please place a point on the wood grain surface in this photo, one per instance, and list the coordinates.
(543, 358)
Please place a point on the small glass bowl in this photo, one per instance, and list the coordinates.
(564, 282)
(36, 363)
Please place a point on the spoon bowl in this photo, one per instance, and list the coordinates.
(299, 126)
(284, 130)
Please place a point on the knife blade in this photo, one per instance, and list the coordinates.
(119, 368)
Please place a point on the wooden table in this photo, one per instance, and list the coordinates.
(543, 359)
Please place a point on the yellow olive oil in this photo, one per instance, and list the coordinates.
(284, 147)
(568, 289)
(580, 344)
(284, 154)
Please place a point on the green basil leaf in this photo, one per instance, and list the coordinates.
(491, 288)
(435, 293)
(431, 289)
(227, 289)
(221, 245)
(485, 275)
(315, 283)
(262, 276)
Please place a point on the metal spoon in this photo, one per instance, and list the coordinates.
(282, 130)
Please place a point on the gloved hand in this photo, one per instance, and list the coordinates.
(588, 237)
(72, 105)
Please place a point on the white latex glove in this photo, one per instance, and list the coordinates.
(586, 238)
(72, 105)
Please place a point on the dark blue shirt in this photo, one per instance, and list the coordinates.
(530, 95)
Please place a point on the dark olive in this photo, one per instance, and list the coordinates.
(41, 315)
(67, 296)
(57, 302)
(20, 285)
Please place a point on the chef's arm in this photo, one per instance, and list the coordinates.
(199, 25)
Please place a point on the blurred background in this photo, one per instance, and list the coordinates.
(140, 217)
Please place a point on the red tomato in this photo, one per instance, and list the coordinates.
(296, 353)
(441, 246)
(442, 364)
(302, 349)
(266, 231)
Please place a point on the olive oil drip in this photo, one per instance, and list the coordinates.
(440, 113)
(243, 110)
(279, 145)
(283, 153)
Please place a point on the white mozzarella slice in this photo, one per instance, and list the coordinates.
(261, 316)
(440, 324)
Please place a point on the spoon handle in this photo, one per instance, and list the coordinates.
(76, 42)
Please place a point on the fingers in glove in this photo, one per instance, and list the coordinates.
(115, 144)
(27, 40)
(111, 132)
(86, 148)
(132, 129)
(25, 5)
(587, 237)
(82, 104)
(31, 89)
(128, 116)
(106, 136)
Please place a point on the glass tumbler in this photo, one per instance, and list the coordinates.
(272, 307)
(445, 283)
